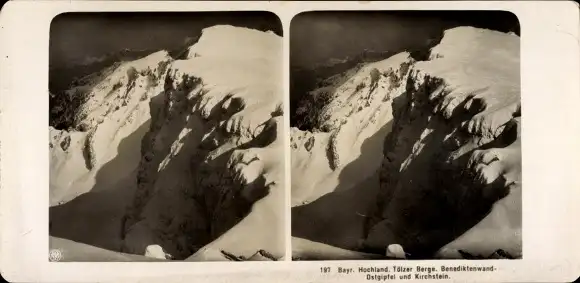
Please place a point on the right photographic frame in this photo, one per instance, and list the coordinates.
(405, 135)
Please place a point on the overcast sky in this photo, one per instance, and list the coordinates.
(315, 36)
(77, 36)
(318, 36)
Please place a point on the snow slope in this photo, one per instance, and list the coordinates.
(175, 138)
(303, 249)
(71, 251)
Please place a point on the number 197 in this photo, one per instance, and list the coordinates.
(325, 269)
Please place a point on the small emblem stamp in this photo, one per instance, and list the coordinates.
(55, 255)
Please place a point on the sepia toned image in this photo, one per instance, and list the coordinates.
(309, 141)
(405, 138)
(166, 137)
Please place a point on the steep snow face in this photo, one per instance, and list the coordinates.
(258, 174)
(211, 169)
(356, 113)
(451, 175)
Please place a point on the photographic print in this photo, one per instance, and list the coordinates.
(311, 141)
(166, 137)
(405, 138)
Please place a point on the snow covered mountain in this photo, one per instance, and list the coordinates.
(423, 154)
(186, 154)
(182, 158)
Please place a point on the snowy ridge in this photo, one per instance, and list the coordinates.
(361, 92)
(109, 95)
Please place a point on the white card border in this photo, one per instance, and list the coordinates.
(551, 136)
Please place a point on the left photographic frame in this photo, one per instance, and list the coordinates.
(166, 136)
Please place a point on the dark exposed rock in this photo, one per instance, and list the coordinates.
(65, 143)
